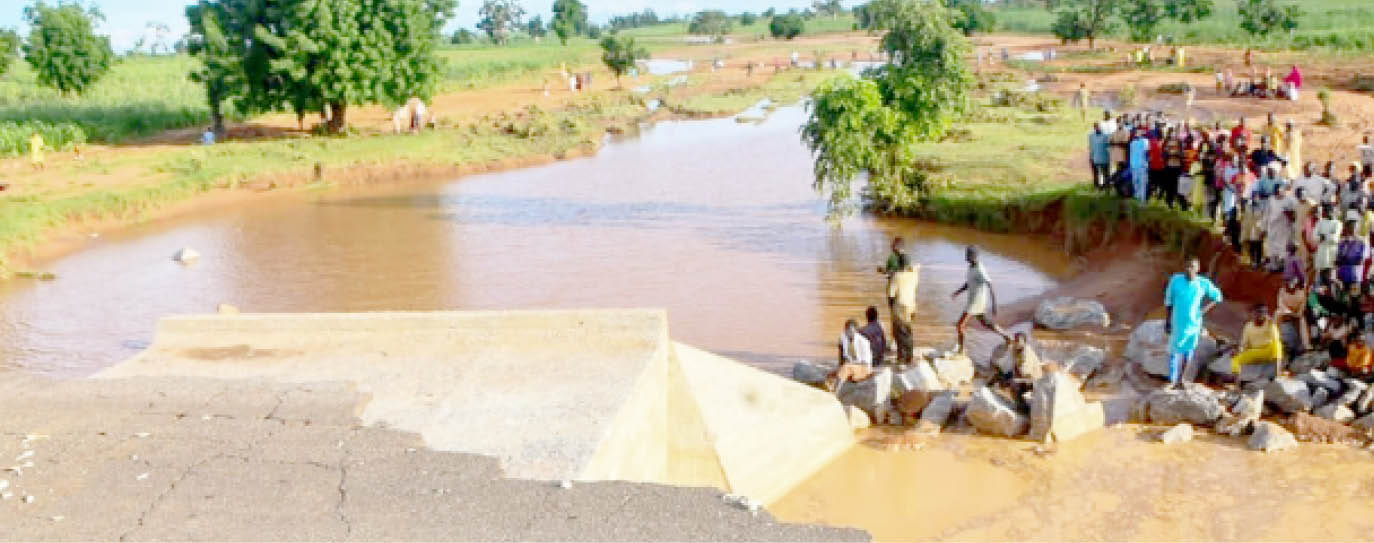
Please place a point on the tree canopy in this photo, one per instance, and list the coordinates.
(9, 47)
(499, 17)
(621, 54)
(973, 16)
(712, 22)
(787, 26)
(870, 124)
(1263, 17)
(1085, 19)
(63, 47)
(569, 19)
(1143, 17)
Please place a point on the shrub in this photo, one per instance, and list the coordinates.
(1127, 97)
(14, 136)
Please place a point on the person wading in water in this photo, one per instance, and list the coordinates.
(981, 300)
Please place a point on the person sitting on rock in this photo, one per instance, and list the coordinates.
(1336, 338)
(873, 332)
(856, 357)
(1292, 306)
(1260, 342)
(1359, 359)
(1015, 365)
(1322, 300)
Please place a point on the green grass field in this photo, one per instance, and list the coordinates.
(1336, 25)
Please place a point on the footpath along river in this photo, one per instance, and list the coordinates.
(714, 220)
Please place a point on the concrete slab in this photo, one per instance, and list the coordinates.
(581, 395)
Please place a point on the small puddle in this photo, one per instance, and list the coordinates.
(665, 66)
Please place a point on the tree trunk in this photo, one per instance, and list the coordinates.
(217, 120)
(337, 110)
(1091, 41)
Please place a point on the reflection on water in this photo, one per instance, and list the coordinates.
(665, 66)
(713, 220)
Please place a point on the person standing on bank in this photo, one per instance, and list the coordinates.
(981, 300)
(1184, 303)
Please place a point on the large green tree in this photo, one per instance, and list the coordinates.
(787, 26)
(1143, 17)
(1262, 17)
(63, 47)
(499, 17)
(9, 47)
(870, 125)
(320, 55)
(833, 8)
(569, 19)
(973, 16)
(220, 61)
(621, 54)
(712, 22)
(1085, 19)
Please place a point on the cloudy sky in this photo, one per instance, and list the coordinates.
(127, 20)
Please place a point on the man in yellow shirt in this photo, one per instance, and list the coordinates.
(1274, 133)
(1260, 342)
(36, 150)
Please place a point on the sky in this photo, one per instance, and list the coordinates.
(126, 20)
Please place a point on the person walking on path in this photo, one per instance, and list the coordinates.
(1083, 99)
(36, 150)
(901, 295)
(1184, 303)
(981, 299)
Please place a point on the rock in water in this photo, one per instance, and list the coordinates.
(858, 420)
(1059, 412)
(1069, 313)
(810, 373)
(1149, 349)
(919, 377)
(1193, 404)
(1244, 413)
(936, 414)
(991, 413)
(1270, 437)
(1336, 412)
(186, 255)
(870, 393)
(1181, 433)
(954, 369)
(1288, 395)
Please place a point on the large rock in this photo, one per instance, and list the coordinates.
(858, 419)
(1320, 396)
(1181, 433)
(1336, 412)
(869, 394)
(1246, 412)
(1318, 378)
(991, 413)
(1365, 424)
(186, 255)
(1082, 361)
(1288, 395)
(954, 369)
(1270, 437)
(936, 414)
(1354, 388)
(810, 373)
(1249, 373)
(1309, 361)
(915, 387)
(1195, 404)
(1149, 349)
(1059, 412)
(1069, 313)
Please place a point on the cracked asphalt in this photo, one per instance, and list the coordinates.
(199, 459)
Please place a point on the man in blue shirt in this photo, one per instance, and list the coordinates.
(1183, 301)
(1099, 154)
(1139, 155)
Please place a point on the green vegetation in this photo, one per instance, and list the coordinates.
(786, 88)
(14, 136)
(569, 19)
(786, 26)
(869, 125)
(973, 16)
(620, 55)
(1263, 17)
(713, 23)
(1143, 17)
(9, 48)
(62, 46)
(499, 19)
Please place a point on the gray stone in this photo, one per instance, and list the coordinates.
(1365, 424)
(810, 373)
(1354, 388)
(1249, 373)
(1320, 397)
(1069, 313)
(1309, 361)
(1148, 348)
(1244, 413)
(186, 255)
(937, 413)
(1336, 412)
(1181, 433)
(1193, 403)
(1288, 395)
(1270, 437)
(991, 413)
(1366, 402)
(870, 393)
(1085, 362)
(858, 419)
(919, 376)
(1318, 378)
(1335, 373)
(954, 369)
(1059, 412)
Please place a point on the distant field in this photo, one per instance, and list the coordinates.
(1340, 25)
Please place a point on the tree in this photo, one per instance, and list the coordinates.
(463, 37)
(620, 55)
(569, 19)
(870, 125)
(787, 26)
(1261, 17)
(973, 17)
(535, 27)
(833, 8)
(219, 71)
(1144, 16)
(714, 23)
(9, 46)
(63, 47)
(1085, 19)
(1188, 11)
(747, 18)
(499, 17)
(770, 13)
(317, 56)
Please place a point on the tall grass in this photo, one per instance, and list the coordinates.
(14, 137)
(476, 66)
(1338, 25)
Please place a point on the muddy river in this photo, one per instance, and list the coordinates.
(714, 220)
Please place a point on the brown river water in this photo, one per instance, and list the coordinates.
(715, 221)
